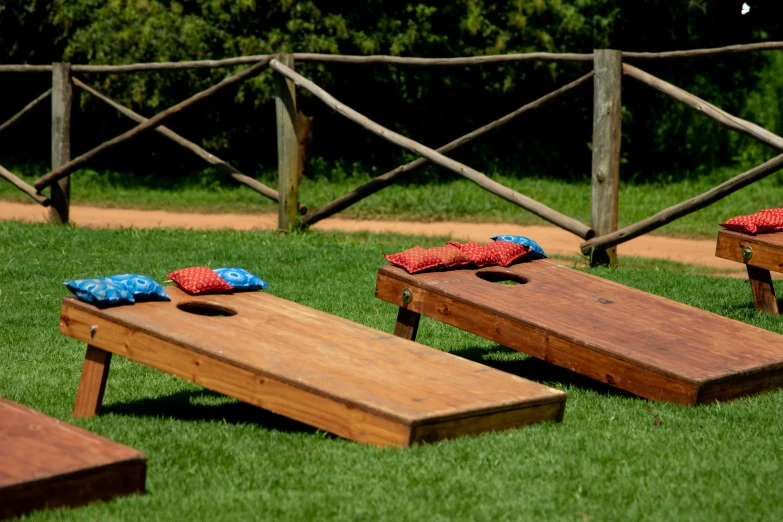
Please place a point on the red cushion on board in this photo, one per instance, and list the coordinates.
(480, 255)
(767, 220)
(414, 259)
(199, 280)
(449, 256)
(506, 252)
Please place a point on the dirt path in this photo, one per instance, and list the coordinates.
(553, 240)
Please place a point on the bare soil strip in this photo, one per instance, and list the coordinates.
(552, 239)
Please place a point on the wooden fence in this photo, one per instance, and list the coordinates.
(600, 237)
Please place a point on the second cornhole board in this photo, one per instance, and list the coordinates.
(760, 254)
(645, 344)
(47, 463)
(328, 372)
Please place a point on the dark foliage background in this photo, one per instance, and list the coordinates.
(433, 105)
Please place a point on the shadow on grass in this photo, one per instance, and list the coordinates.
(206, 405)
(747, 310)
(538, 370)
(190, 406)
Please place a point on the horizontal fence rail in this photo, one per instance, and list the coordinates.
(712, 51)
(397, 60)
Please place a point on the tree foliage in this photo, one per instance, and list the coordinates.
(432, 105)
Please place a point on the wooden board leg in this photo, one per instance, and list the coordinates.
(407, 324)
(93, 382)
(763, 291)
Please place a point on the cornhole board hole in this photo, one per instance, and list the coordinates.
(47, 463)
(760, 254)
(645, 344)
(328, 372)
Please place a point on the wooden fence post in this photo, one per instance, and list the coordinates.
(287, 153)
(62, 96)
(607, 120)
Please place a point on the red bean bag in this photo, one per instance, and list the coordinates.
(199, 280)
(768, 220)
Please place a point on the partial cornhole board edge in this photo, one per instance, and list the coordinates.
(761, 255)
(119, 474)
(741, 384)
(767, 249)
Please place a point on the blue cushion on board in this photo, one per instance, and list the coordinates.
(142, 287)
(536, 252)
(241, 279)
(100, 292)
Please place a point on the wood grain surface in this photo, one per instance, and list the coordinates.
(761, 287)
(767, 254)
(340, 376)
(407, 324)
(45, 462)
(287, 150)
(92, 384)
(645, 344)
(607, 135)
(62, 101)
(767, 249)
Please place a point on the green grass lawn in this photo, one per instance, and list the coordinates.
(212, 458)
(457, 199)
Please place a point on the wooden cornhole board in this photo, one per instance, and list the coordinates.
(328, 372)
(46, 463)
(760, 254)
(636, 341)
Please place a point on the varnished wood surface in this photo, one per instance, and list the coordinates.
(763, 292)
(407, 324)
(92, 384)
(767, 255)
(309, 365)
(767, 249)
(636, 341)
(45, 462)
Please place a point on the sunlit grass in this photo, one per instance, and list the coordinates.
(212, 458)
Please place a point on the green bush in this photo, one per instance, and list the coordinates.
(431, 105)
